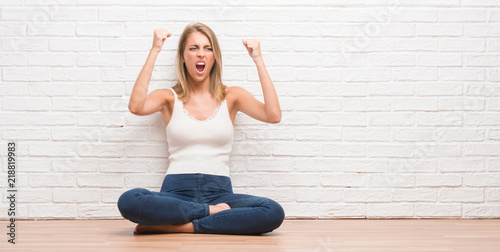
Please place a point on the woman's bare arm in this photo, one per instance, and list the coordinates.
(270, 110)
(140, 103)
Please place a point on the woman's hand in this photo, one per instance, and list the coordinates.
(253, 48)
(160, 35)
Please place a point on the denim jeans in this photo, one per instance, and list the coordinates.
(186, 198)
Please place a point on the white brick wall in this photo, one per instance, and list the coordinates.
(390, 108)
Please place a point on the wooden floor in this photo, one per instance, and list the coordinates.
(293, 235)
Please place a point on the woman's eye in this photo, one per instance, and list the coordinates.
(210, 49)
(192, 48)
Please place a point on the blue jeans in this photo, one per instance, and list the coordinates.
(186, 198)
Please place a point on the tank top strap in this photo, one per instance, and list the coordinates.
(173, 91)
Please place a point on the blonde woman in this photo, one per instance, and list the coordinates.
(199, 111)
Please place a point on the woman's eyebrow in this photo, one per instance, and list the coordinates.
(203, 46)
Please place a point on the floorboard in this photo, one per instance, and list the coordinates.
(293, 235)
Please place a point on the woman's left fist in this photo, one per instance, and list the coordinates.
(253, 48)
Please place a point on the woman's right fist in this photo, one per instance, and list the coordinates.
(160, 35)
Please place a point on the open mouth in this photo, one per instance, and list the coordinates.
(200, 67)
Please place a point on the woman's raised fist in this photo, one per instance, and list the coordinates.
(160, 35)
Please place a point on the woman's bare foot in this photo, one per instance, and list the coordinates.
(218, 208)
(168, 228)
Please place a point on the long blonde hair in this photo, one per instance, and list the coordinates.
(217, 89)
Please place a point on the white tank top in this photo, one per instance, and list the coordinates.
(199, 146)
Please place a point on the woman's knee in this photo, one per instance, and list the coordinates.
(276, 214)
(127, 203)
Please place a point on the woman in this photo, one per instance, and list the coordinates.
(196, 195)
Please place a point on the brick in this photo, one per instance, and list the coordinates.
(414, 74)
(374, 210)
(392, 59)
(366, 134)
(52, 180)
(25, 13)
(50, 118)
(438, 89)
(461, 45)
(295, 148)
(313, 195)
(251, 180)
(461, 104)
(269, 165)
(342, 210)
(12, 59)
(35, 195)
(366, 74)
(342, 60)
(75, 164)
(451, 195)
(76, 195)
(343, 119)
(437, 210)
(462, 15)
(415, 44)
(73, 45)
(460, 134)
(413, 134)
(343, 150)
(51, 59)
(414, 195)
(482, 119)
(428, 60)
(100, 180)
(101, 59)
(414, 165)
(26, 103)
(26, 134)
(49, 210)
(344, 180)
(59, 29)
(72, 104)
(99, 29)
(252, 148)
(493, 194)
(76, 74)
(391, 181)
(269, 134)
(122, 13)
(351, 89)
(318, 74)
(439, 118)
(15, 89)
(366, 104)
(13, 29)
(367, 195)
(389, 150)
(390, 118)
(92, 149)
(482, 180)
(482, 30)
(74, 14)
(292, 179)
(418, 104)
(438, 180)
(460, 165)
(25, 44)
(108, 89)
(439, 30)
(493, 164)
(75, 134)
(317, 104)
(26, 74)
(481, 210)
